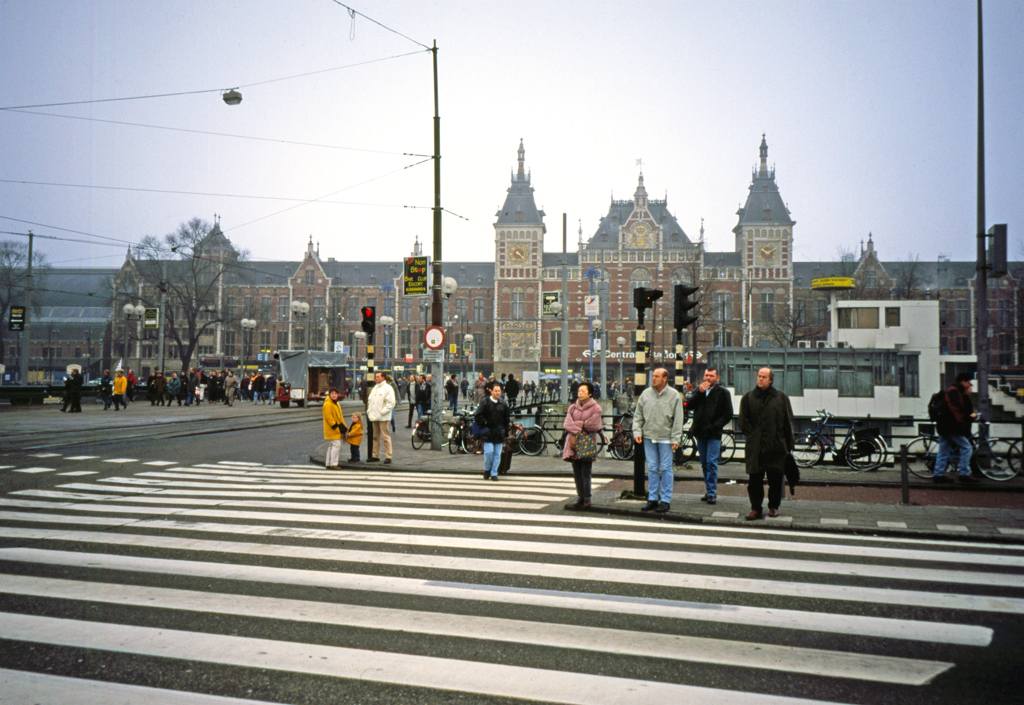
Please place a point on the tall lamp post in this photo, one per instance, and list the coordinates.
(248, 327)
(131, 313)
(300, 311)
(468, 340)
(622, 380)
(563, 392)
(448, 287)
(600, 332)
(386, 322)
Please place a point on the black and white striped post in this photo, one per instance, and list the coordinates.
(643, 299)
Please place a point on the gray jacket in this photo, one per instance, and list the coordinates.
(659, 417)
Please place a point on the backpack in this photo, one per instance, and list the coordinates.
(937, 406)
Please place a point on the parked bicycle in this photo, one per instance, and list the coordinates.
(621, 444)
(421, 432)
(997, 459)
(540, 434)
(862, 448)
(460, 440)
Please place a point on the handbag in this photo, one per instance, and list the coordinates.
(792, 472)
(478, 431)
(586, 446)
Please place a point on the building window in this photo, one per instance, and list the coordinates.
(250, 306)
(767, 299)
(819, 313)
(282, 309)
(310, 277)
(858, 318)
(406, 316)
(264, 340)
(479, 310)
(961, 313)
(405, 341)
(299, 336)
(892, 317)
(266, 309)
(229, 306)
(1000, 313)
(870, 279)
(352, 309)
(318, 307)
(963, 344)
(518, 303)
(460, 308)
(722, 311)
(554, 343)
(799, 312)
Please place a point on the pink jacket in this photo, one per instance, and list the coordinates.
(580, 417)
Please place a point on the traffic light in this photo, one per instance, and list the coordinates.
(643, 299)
(369, 319)
(682, 304)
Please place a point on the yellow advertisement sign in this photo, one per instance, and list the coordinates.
(833, 283)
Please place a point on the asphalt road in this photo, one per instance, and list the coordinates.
(222, 566)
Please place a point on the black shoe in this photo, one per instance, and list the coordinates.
(968, 480)
(941, 479)
(704, 498)
(710, 501)
(653, 504)
(494, 477)
(662, 507)
(487, 476)
(373, 460)
(387, 461)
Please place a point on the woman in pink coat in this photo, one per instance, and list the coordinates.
(583, 415)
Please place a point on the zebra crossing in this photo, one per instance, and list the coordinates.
(239, 582)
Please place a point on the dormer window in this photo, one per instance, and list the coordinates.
(310, 277)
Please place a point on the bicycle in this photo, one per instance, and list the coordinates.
(421, 432)
(862, 448)
(539, 435)
(622, 444)
(460, 440)
(996, 458)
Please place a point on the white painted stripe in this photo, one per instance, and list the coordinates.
(37, 518)
(21, 687)
(789, 659)
(951, 527)
(902, 556)
(1011, 532)
(45, 455)
(376, 503)
(82, 457)
(55, 494)
(554, 571)
(239, 462)
(122, 460)
(892, 524)
(628, 553)
(937, 632)
(828, 521)
(394, 475)
(80, 472)
(160, 463)
(490, 679)
(35, 470)
(6, 467)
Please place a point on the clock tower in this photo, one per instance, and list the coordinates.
(764, 242)
(518, 260)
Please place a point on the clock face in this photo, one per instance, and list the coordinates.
(767, 254)
(518, 253)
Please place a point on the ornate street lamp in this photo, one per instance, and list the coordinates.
(622, 380)
(386, 322)
(248, 326)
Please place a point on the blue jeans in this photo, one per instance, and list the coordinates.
(710, 450)
(946, 446)
(492, 457)
(659, 471)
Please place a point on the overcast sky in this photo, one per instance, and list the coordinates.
(869, 108)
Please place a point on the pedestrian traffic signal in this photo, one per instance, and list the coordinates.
(369, 319)
(643, 299)
(682, 304)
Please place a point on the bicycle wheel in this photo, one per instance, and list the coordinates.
(419, 435)
(516, 436)
(455, 434)
(728, 448)
(992, 457)
(921, 456)
(617, 446)
(533, 443)
(864, 454)
(808, 450)
(470, 445)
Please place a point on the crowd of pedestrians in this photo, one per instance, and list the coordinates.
(192, 389)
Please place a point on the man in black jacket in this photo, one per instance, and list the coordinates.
(710, 406)
(954, 429)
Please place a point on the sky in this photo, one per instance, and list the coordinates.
(869, 110)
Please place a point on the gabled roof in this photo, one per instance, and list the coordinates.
(606, 237)
(764, 203)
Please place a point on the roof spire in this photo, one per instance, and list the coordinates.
(640, 196)
(521, 174)
(764, 157)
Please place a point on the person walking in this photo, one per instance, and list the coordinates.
(106, 389)
(230, 387)
(379, 405)
(479, 389)
(257, 385)
(710, 406)
(582, 417)
(334, 429)
(159, 388)
(451, 390)
(173, 390)
(954, 429)
(494, 418)
(120, 389)
(658, 424)
(766, 420)
(512, 390)
(75, 392)
(423, 397)
(410, 397)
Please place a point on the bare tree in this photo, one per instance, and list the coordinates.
(13, 277)
(188, 265)
(910, 279)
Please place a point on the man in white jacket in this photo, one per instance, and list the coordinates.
(379, 406)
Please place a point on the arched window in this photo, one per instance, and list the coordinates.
(518, 303)
(640, 276)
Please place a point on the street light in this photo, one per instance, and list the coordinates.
(563, 373)
(386, 322)
(468, 339)
(300, 309)
(131, 313)
(248, 326)
(448, 287)
(622, 380)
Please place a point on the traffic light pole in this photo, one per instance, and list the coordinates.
(643, 299)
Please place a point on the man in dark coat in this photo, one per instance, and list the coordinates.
(512, 390)
(710, 406)
(766, 419)
(954, 429)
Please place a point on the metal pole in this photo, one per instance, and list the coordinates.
(563, 394)
(160, 314)
(435, 313)
(982, 342)
(26, 337)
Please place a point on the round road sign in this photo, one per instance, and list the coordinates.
(433, 338)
